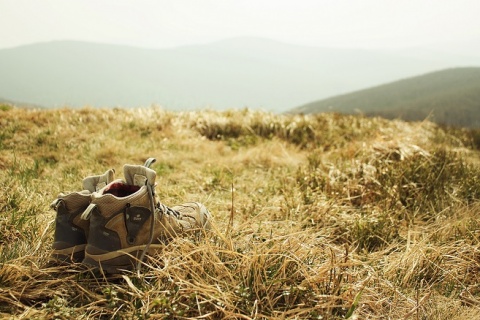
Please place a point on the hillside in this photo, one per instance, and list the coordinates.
(8, 103)
(235, 73)
(450, 97)
(315, 216)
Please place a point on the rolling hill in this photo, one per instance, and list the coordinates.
(234, 73)
(19, 104)
(450, 97)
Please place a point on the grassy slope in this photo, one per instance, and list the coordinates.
(6, 104)
(453, 96)
(333, 216)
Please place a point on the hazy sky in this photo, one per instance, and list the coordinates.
(167, 23)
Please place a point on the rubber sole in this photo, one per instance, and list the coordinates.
(119, 260)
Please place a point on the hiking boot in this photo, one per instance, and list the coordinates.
(127, 221)
(71, 231)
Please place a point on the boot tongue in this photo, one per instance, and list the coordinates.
(138, 175)
(95, 183)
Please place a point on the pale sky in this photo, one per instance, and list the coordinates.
(169, 23)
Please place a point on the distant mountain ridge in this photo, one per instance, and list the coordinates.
(235, 73)
(450, 97)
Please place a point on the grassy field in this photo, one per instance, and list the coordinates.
(316, 217)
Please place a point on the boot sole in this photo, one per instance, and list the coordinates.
(119, 260)
(68, 254)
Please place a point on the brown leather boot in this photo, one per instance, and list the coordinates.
(127, 221)
(71, 231)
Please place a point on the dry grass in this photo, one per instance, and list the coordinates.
(333, 216)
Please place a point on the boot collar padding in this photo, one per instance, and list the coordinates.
(95, 183)
(138, 175)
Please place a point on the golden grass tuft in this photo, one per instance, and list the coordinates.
(315, 216)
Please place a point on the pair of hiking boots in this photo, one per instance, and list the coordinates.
(113, 224)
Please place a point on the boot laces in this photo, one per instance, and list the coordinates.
(163, 209)
(167, 210)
